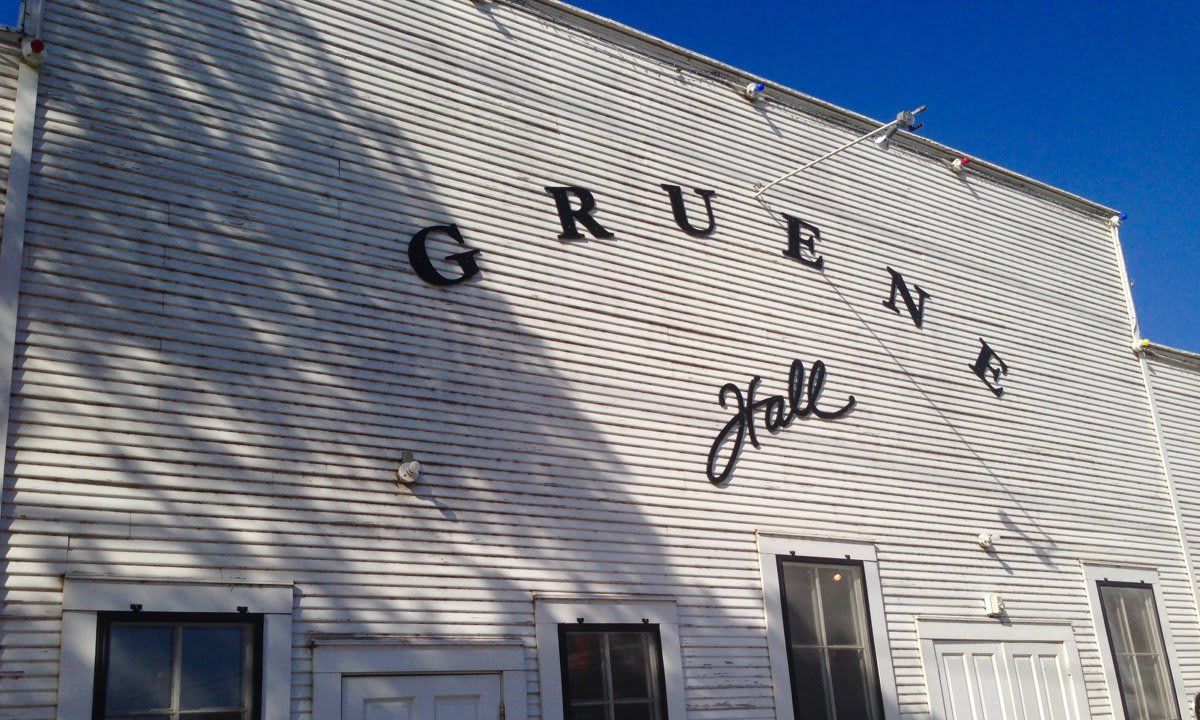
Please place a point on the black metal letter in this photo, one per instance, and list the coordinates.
(418, 257)
(798, 242)
(916, 309)
(736, 429)
(984, 367)
(680, 212)
(568, 215)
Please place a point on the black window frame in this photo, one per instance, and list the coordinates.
(787, 630)
(1112, 648)
(105, 620)
(645, 628)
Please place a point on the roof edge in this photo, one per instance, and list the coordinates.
(825, 110)
(1165, 352)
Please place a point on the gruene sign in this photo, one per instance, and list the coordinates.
(575, 207)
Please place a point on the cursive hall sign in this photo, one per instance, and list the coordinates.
(576, 207)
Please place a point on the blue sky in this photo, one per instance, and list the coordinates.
(1098, 98)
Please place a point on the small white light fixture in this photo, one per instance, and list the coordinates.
(987, 540)
(1141, 346)
(754, 91)
(409, 470)
(959, 164)
(33, 51)
(905, 120)
(993, 604)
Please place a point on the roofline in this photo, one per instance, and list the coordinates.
(815, 106)
(1165, 352)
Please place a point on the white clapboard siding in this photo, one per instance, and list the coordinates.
(222, 351)
(1175, 381)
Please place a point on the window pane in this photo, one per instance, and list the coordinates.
(212, 673)
(1131, 691)
(808, 677)
(833, 670)
(587, 712)
(139, 668)
(1155, 686)
(612, 674)
(839, 604)
(1131, 619)
(1135, 605)
(848, 671)
(634, 711)
(585, 666)
(630, 665)
(799, 590)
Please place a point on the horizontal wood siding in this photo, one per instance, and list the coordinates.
(1175, 380)
(223, 351)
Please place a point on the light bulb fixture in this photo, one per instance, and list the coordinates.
(33, 51)
(959, 164)
(987, 540)
(409, 470)
(905, 120)
(754, 91)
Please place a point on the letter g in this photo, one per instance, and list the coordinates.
(418, 257)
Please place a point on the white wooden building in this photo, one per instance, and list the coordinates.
(260, 254)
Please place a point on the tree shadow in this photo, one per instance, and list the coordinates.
(223, 353)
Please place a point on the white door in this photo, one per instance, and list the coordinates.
(421, 697)
(1004, 681)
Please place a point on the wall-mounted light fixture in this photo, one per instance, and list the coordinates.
(33, 51)
(754, 91)
(959, 164)
(993, 604)
(409, 470)
(987, 540)
(905, 120)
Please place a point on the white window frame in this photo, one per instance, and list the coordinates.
(552, 610)
(770, 546)
(86, 596)
(988, 630)
(1094, 573)
(337, 657)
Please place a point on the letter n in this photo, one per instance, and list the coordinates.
(915, 308)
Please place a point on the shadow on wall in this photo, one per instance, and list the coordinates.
(223, 352)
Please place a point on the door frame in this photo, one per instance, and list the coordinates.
(931, 630)
(335, 658)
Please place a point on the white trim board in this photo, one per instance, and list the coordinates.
(770, 547)
(1096, 572)
(84, 598)
(551, 611)
(12, 236)
(333, 660)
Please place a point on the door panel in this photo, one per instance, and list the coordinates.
(421, 697)
(972, 681)
(1004, 681)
